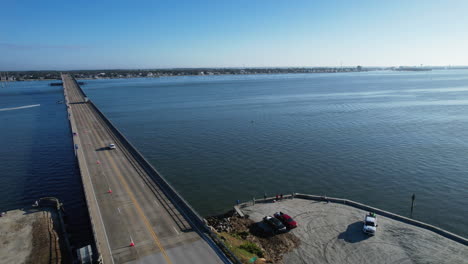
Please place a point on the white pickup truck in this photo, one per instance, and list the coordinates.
(370, 224)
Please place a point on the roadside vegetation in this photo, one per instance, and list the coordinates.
(243, 237)
(246, 251)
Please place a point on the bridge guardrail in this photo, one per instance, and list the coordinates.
(181, 204)
(97, 256)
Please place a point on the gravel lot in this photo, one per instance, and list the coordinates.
(29, 237)
(332, 233)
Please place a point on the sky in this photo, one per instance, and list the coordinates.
(102, 34)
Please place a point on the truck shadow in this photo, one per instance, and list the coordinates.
(353, 233)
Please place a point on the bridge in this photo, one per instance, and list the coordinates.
(136, 216)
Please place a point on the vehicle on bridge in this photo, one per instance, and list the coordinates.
(111, 146)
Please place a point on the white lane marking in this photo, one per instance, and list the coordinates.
(175, 229)
(97, 205)
(19, 107)
(156, 202)
(118, 208)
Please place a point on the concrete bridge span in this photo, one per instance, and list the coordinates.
(137, 217)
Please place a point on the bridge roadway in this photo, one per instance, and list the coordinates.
(125, 205)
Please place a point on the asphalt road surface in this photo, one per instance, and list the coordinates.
(129, 206)
(332, 233)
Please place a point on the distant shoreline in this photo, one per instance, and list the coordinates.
(163, 76)
(130, 74)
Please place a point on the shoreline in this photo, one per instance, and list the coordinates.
(205, 72)
(182, 75)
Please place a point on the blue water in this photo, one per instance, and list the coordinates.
(373, 137)
(36, 154)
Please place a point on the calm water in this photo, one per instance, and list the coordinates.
(36, 154)
(372, 137)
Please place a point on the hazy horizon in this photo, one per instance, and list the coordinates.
(246, 67)
(242, 34)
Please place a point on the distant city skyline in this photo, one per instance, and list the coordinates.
(56, 35)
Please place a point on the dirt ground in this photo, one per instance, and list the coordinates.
(273, 246)
(332, 233)
(29, 237)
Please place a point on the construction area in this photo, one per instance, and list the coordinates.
(31, 236)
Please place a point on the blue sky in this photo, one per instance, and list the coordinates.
(62, 35)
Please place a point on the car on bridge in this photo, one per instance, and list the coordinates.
(111, 146)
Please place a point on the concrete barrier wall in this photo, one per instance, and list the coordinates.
(164, 185)
(364, 207)
(88, 196)
(393, 216)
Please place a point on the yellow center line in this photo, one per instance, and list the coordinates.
(137, 205)
(140, 211)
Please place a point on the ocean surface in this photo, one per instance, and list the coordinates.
(373, 137)
(36, 154)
